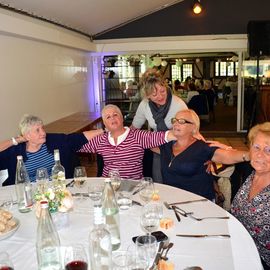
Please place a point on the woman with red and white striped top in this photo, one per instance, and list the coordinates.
(122, 147)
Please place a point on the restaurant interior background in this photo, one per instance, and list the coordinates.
(52, 69)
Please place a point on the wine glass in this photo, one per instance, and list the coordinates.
(80, 178)
(75, 258)
(115, 179)
(42, 179)
(5, 262)
(95, 192)
(150, 218)
(147, 191)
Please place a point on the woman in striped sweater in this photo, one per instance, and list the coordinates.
(122, 147)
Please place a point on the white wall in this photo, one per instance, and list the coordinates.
(44, 70)
(42, 79)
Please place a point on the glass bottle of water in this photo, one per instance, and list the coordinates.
(100, 248)
(47, 243)
(58, 171)
(23, 187)
(111, 213)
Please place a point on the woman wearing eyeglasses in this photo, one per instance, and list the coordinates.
(251, 204)
(183, 162)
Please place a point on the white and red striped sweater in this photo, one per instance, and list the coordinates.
(127, 155)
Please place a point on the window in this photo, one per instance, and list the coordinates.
(225, 68)
(181, 72)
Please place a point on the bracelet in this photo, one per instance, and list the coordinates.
(14, 142)
(244, 157)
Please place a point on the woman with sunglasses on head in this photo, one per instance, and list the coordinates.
(251, 205)
(157, 108)
(183, 162)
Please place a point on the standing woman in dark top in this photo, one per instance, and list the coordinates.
(183, 161)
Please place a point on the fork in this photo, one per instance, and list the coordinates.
(176, 210)
(200, 219)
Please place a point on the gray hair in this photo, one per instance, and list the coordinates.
(110, 106)
(28, 121)
(194, 116)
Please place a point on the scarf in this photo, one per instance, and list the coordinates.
(159, 113)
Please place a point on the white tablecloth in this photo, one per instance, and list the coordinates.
(237, 252)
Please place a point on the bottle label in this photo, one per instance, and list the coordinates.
(49, 259)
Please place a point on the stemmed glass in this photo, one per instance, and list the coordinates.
(5, 262)
(150, 218)
(115, 179)
(146, 193)
(95, 192)
(80, 178)
(75, 258)
(42, 179)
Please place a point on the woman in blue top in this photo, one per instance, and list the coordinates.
(184, 161)
(37, 148)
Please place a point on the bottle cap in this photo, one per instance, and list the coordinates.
(107, 180)
(44, 204)
(19, 157)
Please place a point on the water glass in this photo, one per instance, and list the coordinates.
(75, 258)
(146, 248)
(42, 179)
(122, 260)
(5, 262)
(115, 179)
(80, 178)
(150, 218)
(146, 193)
(124, 200)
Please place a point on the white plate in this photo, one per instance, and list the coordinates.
(12, 231)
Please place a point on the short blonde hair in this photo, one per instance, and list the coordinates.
(27, 122)
(148, 82)
(262, 128)
(110, 106)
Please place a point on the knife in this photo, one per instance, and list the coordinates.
(158, 256)
(70, 184)
(176, 213)
(80, 194)
(191, 201)
(204, 235)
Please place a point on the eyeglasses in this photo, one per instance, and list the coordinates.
(180, 121)
(257, 148)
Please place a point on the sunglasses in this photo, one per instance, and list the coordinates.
(180, 121)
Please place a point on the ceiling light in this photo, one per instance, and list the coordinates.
(197, 7)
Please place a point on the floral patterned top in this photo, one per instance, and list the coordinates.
(255, 216)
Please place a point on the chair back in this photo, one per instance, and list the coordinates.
(199, 104)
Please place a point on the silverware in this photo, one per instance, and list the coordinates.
(137, 190)
(200, 219)
(190, 201)
(70, 184)
(80, 194)
(137, 203)
(176, 214)
(166, 252)
(204, 235)
(176, 209)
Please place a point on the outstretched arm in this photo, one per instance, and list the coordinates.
(90, 134)
(10, 142)
(230, 156)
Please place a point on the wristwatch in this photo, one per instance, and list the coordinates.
(14, 142)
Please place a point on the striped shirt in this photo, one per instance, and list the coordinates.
(127, 154)
(40, 159)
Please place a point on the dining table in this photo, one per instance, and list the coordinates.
(210, 253)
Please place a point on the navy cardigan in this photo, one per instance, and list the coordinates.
(68, 145)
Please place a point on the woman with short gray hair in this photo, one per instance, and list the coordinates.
(37, 148)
